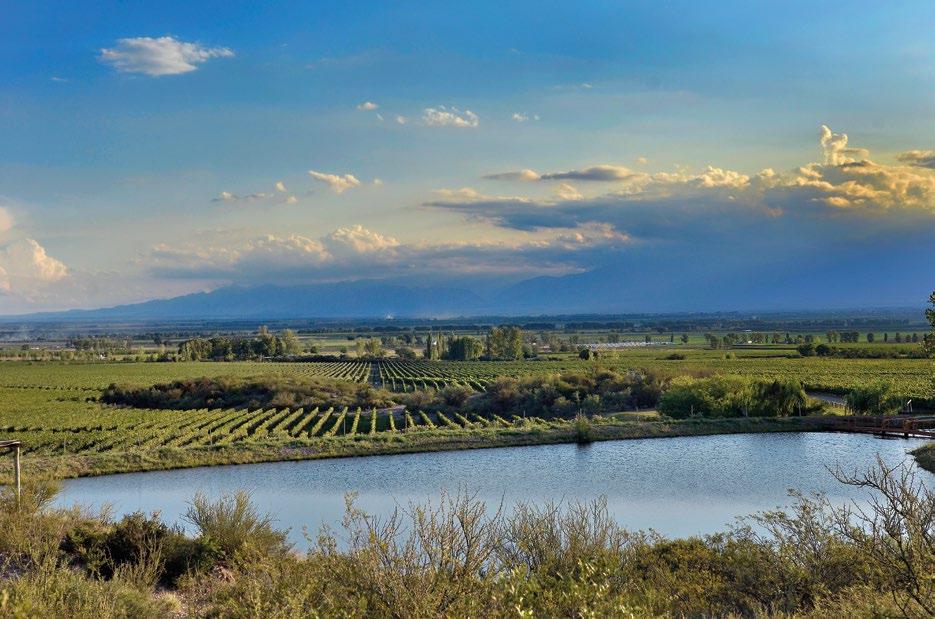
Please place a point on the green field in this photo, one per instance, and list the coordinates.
(53, 407)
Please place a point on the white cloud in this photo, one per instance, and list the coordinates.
(601, 172)
(669, 200)
(449, 117)
(367, 105)
(226, 196)
(25, 267)
(273, 197)
(338, 184)
(159, 56)
(642, 160)
(401, 120)
(835, 148)
(356, 240)
(520, 118)
(522, 175)
(357, 252)
(567, 192)
(377, 182)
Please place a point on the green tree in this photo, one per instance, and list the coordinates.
(874, 399)
(929, 339)
(290, 343)
(778, 398)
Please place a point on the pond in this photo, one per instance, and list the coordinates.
(677, 486)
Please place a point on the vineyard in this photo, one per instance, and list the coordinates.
(54, 407)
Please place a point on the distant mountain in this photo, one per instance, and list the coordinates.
(642, 284)
(358, 299)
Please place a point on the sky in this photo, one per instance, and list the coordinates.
(153, 149)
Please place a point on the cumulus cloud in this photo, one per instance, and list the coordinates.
(401, 120)
(835, 148)
(719, 204)
(280, 186)
(449, 117)
(919, 158)
(356, 252)
(367, 105)
(26, 270)
(336, 182)
(159, 56)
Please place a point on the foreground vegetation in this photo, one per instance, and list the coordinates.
(460, 558)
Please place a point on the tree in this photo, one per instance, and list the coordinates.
(373, 347)
(290, 343)
(504, 343)
(807, 349)
(587, 354)
(870, 338)
(929, 339)
(779, 398)
(684, 338)
(875, 399)
(465, 348)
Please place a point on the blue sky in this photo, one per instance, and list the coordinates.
(152, 149)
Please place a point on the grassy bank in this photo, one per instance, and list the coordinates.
(925, 456)
(81, 465)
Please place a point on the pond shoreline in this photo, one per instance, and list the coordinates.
(64, 467)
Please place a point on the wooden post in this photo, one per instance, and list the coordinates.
(16, 472)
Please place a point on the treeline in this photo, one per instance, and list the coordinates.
(252, 393)
(863, 352)
(500, 343)
(262, 345)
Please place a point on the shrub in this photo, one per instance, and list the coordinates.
(233, 526)
(137, 540)
(718, 396)
(584, 430)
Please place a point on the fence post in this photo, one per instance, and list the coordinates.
(16, 472)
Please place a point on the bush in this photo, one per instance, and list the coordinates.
(137, 539)
(718, 396)
(584, 430)
(233, 526)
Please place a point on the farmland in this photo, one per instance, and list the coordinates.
(54, 407)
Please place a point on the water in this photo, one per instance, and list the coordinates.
(677, 486)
